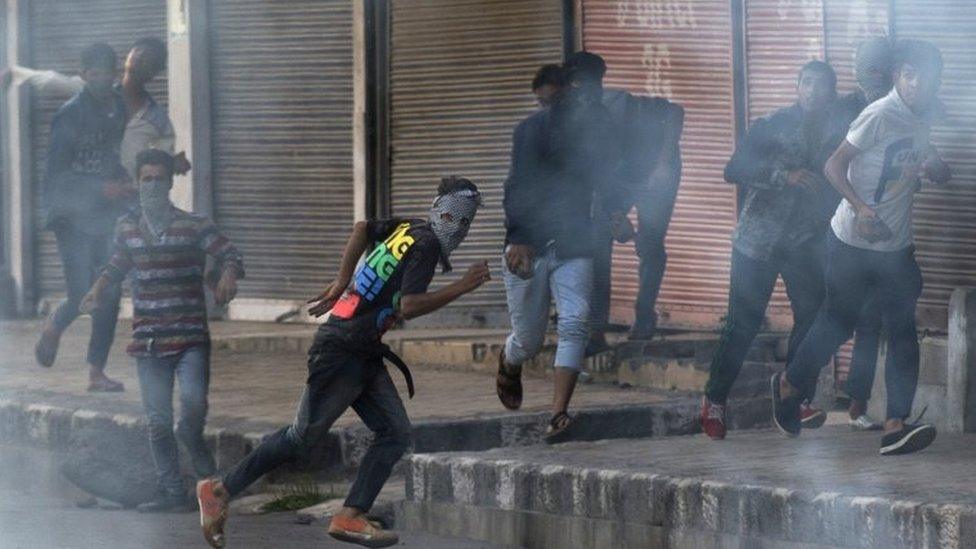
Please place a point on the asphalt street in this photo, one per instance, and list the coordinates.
(39, 510)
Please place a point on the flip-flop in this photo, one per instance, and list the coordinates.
(560, 428)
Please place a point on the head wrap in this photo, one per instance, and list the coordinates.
(461, 205)
(873, 65)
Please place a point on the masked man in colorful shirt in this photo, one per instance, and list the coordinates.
(345, 362)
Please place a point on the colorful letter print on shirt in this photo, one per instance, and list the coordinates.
(382, 262)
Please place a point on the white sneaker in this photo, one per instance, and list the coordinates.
(864, 423)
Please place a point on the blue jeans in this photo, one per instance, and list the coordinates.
(338, 378)
(84, 256)
(156, 376)
(570, 282)
(853, 275)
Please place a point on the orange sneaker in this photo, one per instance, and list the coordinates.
(361, 531)
(212, 497)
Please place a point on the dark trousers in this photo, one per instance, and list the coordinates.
(654, 209)
(864, 362)
(83, 257)
(338, 379)
(751, 287)
(156, 380)
(852, 275)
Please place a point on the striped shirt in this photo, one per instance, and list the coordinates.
(170, 310)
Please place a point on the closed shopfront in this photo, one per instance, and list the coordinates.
(945, 217)
(681, 51)
(460, 74)
(281, 87)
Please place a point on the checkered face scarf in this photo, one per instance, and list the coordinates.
(461, 206)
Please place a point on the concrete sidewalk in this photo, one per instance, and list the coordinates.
(264, 385)
(256, 382)
(828, 488)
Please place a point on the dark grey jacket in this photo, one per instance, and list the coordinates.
(776, 217)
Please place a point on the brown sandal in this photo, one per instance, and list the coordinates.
(508, 385)
(559, 428)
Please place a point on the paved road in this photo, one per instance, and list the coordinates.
(39, 511)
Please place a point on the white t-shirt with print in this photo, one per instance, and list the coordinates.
(893, 141)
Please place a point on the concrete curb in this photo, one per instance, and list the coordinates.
(517, 503)
(52, 427)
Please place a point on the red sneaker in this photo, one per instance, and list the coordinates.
(811, 417)
(713, 419)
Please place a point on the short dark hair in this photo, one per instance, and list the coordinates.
(584, 65)
(820, 67)
(919, 53)
(99, 55)
(551, 74)
(156, 49)
(454, 183)
(154, 157)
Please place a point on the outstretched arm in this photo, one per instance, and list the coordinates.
(47, 82)
(414, 305)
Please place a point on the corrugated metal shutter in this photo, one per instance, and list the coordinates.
(460, 73)
(846, 24)
(680, 50)
(58, 32)
(945, 217)
(780, 37)
(281, 81)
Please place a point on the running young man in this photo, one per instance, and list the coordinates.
(345, 362)
(877, 169)
(780, 230)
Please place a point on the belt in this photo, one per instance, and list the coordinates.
(389, 355)
(382, 351)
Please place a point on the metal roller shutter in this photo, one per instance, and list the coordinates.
(681, 50)
(59, 31)
(281, 81)
(780, 38)
(460, 73)
(846, 24)
(945, 217)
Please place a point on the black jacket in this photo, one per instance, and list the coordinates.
(560, 156)
(83, 155)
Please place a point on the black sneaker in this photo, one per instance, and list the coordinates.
(786, 412)
(911, 438)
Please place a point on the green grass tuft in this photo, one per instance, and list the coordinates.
(299, 494)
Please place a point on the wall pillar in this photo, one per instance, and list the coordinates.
(18, 203)
(360, 137)
(961, 382)
(189, 100)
